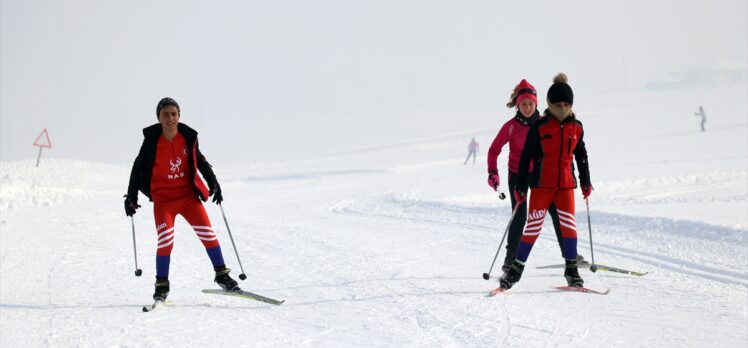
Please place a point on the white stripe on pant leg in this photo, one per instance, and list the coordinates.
(565, 213)
(203, 227)
(566, 218)
(534, 226)
(169, 231)
(208, 239)
(171, 235)
(567, 221)
(161, 246)
(538, 222)
(571, 227)
(532, 231)
(208, 234)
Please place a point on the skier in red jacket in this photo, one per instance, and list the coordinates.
(551, 145)
(166, 172)
(514, 131)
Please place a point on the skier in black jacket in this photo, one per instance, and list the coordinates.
(165, 171)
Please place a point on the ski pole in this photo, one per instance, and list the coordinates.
(241, 276)
(593, 267)
(486, 276)
(138, 271)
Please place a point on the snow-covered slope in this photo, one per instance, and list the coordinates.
(386, 246)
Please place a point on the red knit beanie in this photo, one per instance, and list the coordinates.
(525, 90)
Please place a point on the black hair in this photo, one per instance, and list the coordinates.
(166, 102)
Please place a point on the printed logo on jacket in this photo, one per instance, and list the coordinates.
(176, 171)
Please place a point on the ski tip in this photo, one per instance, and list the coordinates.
(155, 305)
(497, 291)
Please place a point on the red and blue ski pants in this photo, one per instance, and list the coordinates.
(540, 199)
(193, 211)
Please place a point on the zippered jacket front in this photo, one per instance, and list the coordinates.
(514, 132)
(550, 147)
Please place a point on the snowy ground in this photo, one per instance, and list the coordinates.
(386, 246)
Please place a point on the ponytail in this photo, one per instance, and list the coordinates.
(512, 99)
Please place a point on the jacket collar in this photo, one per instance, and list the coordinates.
(568, 119)
(154, 131)
(527, 121)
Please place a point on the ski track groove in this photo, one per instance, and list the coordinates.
(661, 261)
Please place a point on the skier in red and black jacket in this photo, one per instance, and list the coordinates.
(514, 131)
(551, 145)
(165, 171)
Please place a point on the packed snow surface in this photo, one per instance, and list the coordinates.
(386, 246)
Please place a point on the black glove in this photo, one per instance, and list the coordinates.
(131, 205)
(215, 191)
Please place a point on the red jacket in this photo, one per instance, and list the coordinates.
(514, 132)
(550, 147)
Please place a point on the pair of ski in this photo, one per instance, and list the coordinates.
(238, 293)
(501, 290)
(584, 263)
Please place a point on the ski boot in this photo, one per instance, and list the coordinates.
(508, 260)
(572, 274)
(162, 289)
(227, 283)
(511, 276)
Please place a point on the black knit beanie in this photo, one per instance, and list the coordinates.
(166, 102)
(560, 91)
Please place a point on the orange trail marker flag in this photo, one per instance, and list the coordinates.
(42, 143)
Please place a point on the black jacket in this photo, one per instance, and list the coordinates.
(140, 175)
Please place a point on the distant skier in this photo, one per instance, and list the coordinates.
(514, 131)
(552, 142)
(165, 171)
(702, 115)
(472, 150)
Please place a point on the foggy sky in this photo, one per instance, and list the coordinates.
(264, 80)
